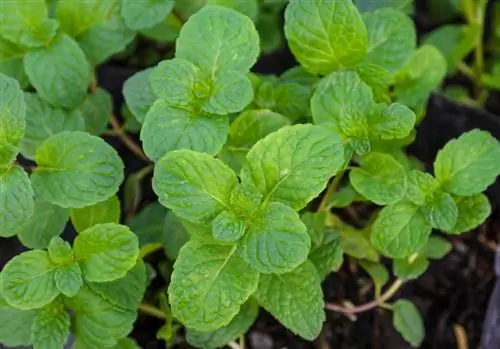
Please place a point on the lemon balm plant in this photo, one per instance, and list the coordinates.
(250, 168)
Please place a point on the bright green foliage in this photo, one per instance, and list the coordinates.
(50, 327)
(139, 94)
(59, 72)
(325, 36)
(227, 227)
(380, 179)
(107, 211)
(327, 256)
(219, 283)
(15, 325)
(391, 38)
(469, 164)
(293, 164)
(76, 169)
(47, 221)
(96, 110)
(472, 212)
(408, 322)
(106, 252)
(436, 248)
(295, 299)
(75, 18)
(145, 14)
(237, 327)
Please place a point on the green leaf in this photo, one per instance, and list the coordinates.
(51, 327)
(47, 221)
(14, 68)
(469, 164)
(175, 236)
(249, 8)
(59, 72)
(392, 38)
(106, 252)
(12, 119)
(230, 92)
(105, 39)
(127, 292)
(454, 41)
(369, 5)
(380, 179)
(325, 36)
(219, 338)
(293, 164)
(269, 28)
(408, 322)
(406, 270)
(76, 169)
(145, 14)
(441, 211)
(139, 94)
(97, 322)
(193, 185)
(97, 109)
(166, 31)
(227, 227)
(276, 240)
(472, 212)
(77, 17)
(377, 78)
(149, 224)
(400, 230)
(209, 284)
(393, 122)
(342, 101)
(26, 23)
(69, 279)
(16, 200)
(328, 256)
(249, 127)
(355, 243)
(27, 280)
(44, 120)
(378, 273)
(126, 343)
(186, 130)
(107, 211)
(423, 73)
(436, 248)
(236, 49)
(315, 224)
(295, 299)
(421, 187)
(60, 251)
(345, 197)
(15, 325)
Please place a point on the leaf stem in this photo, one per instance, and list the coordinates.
(381, 301)
(151, 310)
(332, 187)
(126, 140)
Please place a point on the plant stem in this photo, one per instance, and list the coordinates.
(151, 310)
(126, 140)
(332, 187)
(391, 291)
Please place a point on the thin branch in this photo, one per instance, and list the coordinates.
(126, 140)
(152, 311)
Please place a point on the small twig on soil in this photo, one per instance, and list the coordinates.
(391, 291)
(126, 140)
(461, 337)
(152, 311)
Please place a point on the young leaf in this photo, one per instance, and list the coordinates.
(145, 14)
(106, 252)
(139, 94)
(355, 243)
(436, 248)
(249, 127)
(107, 211)
(77, 17)
(193, 185)
(328, 256)
(469, 164)
(47, 221)
(26, 23)
(406, 270)
(15, 325)
(325, 36)
(295, 299)
(209, 284)
(421, 187)
(59, 72)
(391, 38)
(227, 227)
(76, 169)
(69, 279)
(235, 50)
(12, 119)
(60, 251)
(44, 120)
(472, 212)
(51, 327)
(293, 164)
(97, 109)
(377, 78)
(186, 129)
(276, 240)
(441, 211)
(16, 200)
(408, 322)
(237, 327)
(380, 179)
(393, 122)
(345, 197)
(27, 280)
(400, 230)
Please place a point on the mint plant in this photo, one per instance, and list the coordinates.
(250, 170)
